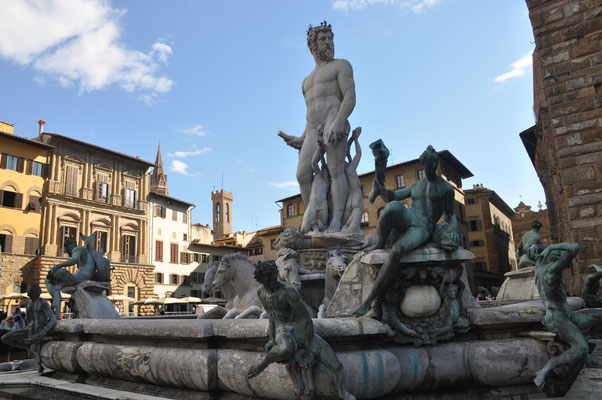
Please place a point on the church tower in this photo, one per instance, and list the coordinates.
(222, 213)
(158, 181)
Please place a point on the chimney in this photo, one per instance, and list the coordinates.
(41, 130)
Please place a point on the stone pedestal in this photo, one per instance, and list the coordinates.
(426, 301)
(519, 286)
(89, 301)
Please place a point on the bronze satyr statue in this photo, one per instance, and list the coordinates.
(529, 246)
(557, 376)
(292, 340)
(431, 197)
(591, 286)
(91, 265)
(41, 322)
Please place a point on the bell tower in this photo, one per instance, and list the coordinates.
(222, 213)
(158, 179)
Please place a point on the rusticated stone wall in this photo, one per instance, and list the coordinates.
(567, 68)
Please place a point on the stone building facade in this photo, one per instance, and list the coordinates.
(521, 223)
(490, 236)
(565, 144)
(94, 189)
(23, 177)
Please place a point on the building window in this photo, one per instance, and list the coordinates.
(480, 265)
(216, 258)
(185, 217)
(474, 225)
(363, 189)
(66, 231)
(218, 216)
(290, 211)
(204, 258)
(476, 243)
(71, 173)
(471, 201)
(399, 181)
(160, 211)
(185, 237)
(185, 280)
(36, 168)
(12, 163)
(364, 221)
(129, 248)
(6, 243)
(159, 278)
(130, 198)
(173, 253)
(101, 241)
(102, 192)
(272, 241)
(174, 215)
(227, 213)
(31, 245)
(34, 203)
(158, 250)
(11, 199)
(421, 174)
(173, 279)
(184, 257)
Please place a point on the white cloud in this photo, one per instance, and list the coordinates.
(78, 42)
(196, 130)
(251, 169)
(180, 167)
(291, 184)
(416, 6)
(519, 67)
(184, 154)
(419, 7)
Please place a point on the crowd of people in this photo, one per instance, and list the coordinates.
(8, 322)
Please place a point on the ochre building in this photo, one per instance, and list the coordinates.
(23, 173)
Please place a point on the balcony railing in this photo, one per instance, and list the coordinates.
(127, 258)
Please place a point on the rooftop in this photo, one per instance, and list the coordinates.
(100, 148)
(25, 140)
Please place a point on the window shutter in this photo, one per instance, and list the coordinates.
(8, 244)
(29, 167)
(19, 201)
(3, 160)
(27, 245)
(182, 258)
(97, 188)
(44, 170)
(1, 196)
(108, 193)
(163, 212)
(20, 164)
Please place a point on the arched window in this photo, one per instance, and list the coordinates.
(227, 212)
(364, 221)
(218, 216)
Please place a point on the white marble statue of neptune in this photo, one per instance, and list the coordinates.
(329, 93)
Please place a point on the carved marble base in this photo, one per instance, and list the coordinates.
(425, 303)
(89, 301)
(519, 285)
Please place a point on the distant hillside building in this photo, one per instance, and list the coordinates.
(490, 237)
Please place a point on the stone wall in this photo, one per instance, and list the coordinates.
(567, 68)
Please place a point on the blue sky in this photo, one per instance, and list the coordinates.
(215, 81)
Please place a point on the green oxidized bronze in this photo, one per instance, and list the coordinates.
(409, 228)
(557, 376)
(591, 286)
(292, 340)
